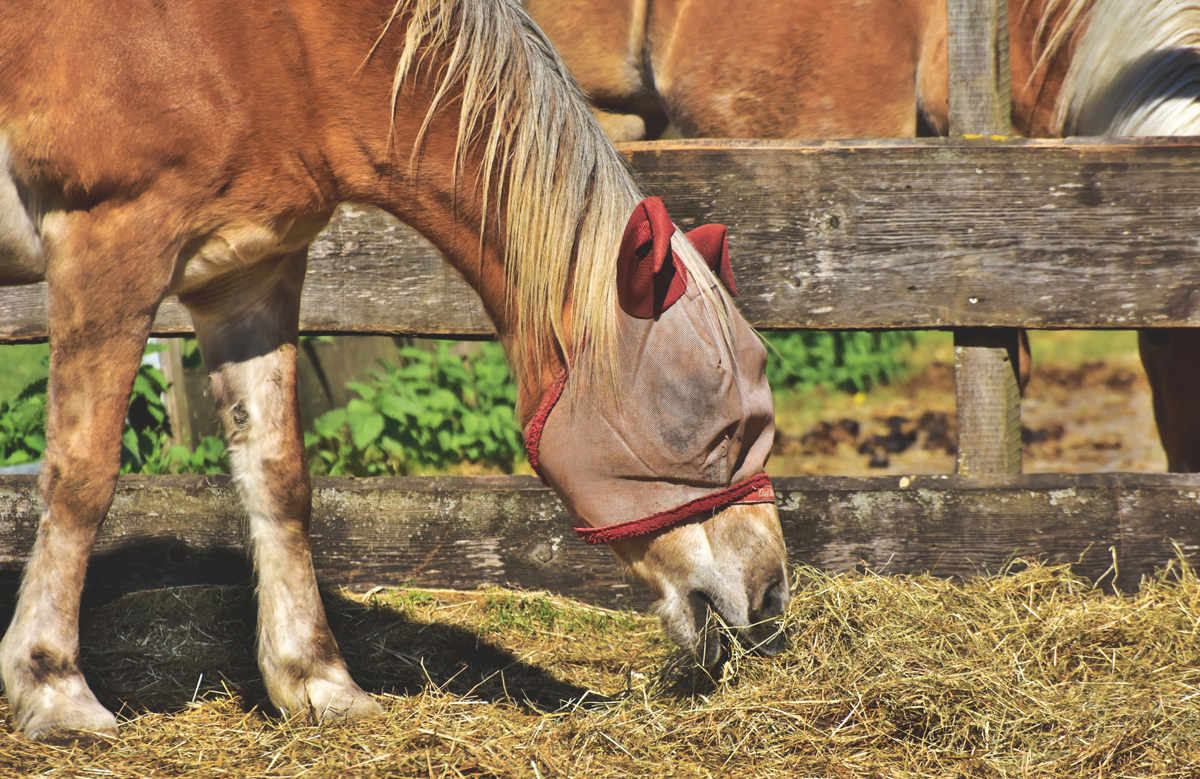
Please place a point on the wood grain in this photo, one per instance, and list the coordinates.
(838, 235)
(980, 90)
(467, 532)
(987, 401)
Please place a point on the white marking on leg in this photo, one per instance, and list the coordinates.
(301, 665)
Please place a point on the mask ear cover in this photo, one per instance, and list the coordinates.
(650, 276)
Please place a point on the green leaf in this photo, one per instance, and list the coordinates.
(366, 391)
(329, 424)
(365, 425)
(398, 408)
(35, 442)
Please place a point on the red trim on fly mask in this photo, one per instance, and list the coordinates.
(647, 284)
(533, 431)
(756, 489)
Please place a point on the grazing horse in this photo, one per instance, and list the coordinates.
(878, 69)
(195, 147)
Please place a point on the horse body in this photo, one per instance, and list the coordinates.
(804, 69)
(878, 69)
(758, 69)
(195, 148)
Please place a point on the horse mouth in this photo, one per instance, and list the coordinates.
(721, 632)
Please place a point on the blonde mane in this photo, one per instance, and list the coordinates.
(1135, 69)
(566, 191)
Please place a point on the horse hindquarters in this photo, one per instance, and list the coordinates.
(107, 273)
(247, 331)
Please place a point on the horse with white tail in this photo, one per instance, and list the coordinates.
(195, 148)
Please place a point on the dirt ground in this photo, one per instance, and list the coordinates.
(1093, 417)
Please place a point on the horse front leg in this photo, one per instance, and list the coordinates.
(247, 331)
(106, 279)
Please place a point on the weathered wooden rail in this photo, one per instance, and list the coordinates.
(976, 236)
(466, 532)
(938, 234)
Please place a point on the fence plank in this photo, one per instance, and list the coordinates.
(839, 235)
(465, 532)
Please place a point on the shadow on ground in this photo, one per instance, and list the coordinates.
(158, 651)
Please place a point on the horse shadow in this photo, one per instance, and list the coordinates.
(161, 627)
(159, 651)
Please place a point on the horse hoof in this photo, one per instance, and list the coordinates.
(89, 723)
(333, 702)
(70, 737)
(360, 707)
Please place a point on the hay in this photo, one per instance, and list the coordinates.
(1034, 673)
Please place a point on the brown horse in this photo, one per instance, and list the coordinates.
(878, 69)
(194, 148)
(804, 69)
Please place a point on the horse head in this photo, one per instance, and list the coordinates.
(663, 456)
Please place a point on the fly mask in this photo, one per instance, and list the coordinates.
(689, 427)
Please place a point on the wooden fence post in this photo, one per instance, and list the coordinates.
(985, 361)
(176, 397)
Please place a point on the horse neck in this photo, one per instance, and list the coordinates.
(465, 204)
(1041, 41)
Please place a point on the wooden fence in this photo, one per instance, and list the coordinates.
(978, 236)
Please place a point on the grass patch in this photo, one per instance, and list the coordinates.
(1072, 348)
(23, 364)
(1032, 674)
(803, 407)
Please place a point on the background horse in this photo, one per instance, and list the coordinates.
(809, 69)
(194, 148)
(804, 69)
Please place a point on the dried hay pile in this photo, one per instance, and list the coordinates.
(1030, 674)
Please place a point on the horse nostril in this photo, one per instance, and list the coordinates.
(774, 600)
(768, 634)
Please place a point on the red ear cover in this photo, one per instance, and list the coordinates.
(713, 244)
(650, 277)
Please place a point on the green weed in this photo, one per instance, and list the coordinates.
(430, 412)
(850, 361)
(534, 613)
(145, 445)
